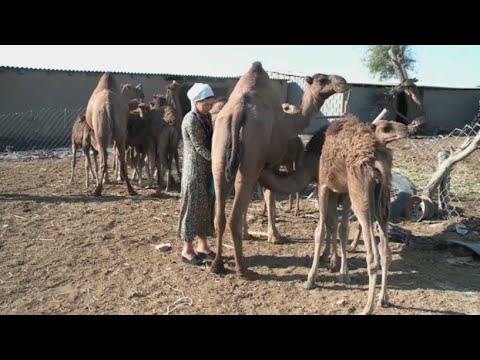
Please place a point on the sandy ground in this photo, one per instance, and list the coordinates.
(63, 251)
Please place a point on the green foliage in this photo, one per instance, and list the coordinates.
(379, 64)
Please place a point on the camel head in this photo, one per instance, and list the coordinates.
(158, 101)
(174, 86)
(143, 109)
(129, 91)
(170, 115)
(322, 86)
(139, 91)
(388, 131)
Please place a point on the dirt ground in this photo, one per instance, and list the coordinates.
(63, 251)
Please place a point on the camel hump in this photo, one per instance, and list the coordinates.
(257, 66)
(107, 82)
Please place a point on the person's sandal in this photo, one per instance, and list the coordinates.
(207, 257)
(195, 261)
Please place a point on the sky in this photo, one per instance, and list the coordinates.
(437, 65)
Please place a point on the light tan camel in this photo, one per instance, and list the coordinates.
(251, 132)
(107, 114)
(354, 162)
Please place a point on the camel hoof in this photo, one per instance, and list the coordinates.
(310, 284)
(97, 193)
(278, 240)
(325, 256)
(132, 192)
(218, 268)
(383, 303)
(351, 249)
(248, 274)
(296, 213)
(334, 266)
(367, 311)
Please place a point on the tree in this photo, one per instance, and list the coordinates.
(389, 61)
(379, 62)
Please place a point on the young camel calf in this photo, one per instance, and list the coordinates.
(83, 137)
(354, 162)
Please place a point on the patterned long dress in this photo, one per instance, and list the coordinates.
(197, 203)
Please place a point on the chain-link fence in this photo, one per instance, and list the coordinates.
(419, 159)
(38, 134)
(45, 129)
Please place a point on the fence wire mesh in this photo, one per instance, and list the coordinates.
(44, 129)
(46, 133)
(419, 159)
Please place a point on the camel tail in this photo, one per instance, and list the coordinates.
(235, 155)
(111, 123)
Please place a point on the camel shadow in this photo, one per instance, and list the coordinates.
(57, 199)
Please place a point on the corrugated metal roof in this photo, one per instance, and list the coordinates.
(117, 72)
(271, 74)
(276, 74)
(419, 86)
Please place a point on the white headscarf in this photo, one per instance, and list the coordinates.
(199, 92)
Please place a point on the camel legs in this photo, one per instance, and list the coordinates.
(343, 235)
(274, 236)
(332, 230)
(354, 243)
(386, 260)
(95, 171)
(123, 166)
(102, 150)
(74, 161)
(363, 205)
(221, 192)
(88, 167)
(179, 172)
(323, 194)
(243, 193)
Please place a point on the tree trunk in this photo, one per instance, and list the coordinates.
(446, 166)
(408, 85)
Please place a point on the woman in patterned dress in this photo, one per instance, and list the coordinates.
(197, 202)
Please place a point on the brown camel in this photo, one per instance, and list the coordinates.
(354, 162)
(107, 114)
(252, 131)
(292, 160)
(173, 99)
(84, 138)
(385, 132)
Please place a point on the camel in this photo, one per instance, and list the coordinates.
(252, 131)
(163, 121)
(173, 99)
(354, 162)
(385, 132)
(107, 114)
(83, 137)
(291, 161)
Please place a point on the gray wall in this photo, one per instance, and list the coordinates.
(448, 109)
(23, 90)
(38, 107)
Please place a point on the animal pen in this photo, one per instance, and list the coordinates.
(50, 138)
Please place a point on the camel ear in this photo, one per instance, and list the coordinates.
(371, 126)
(139, 87)
(286, 107)
(309, 80)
